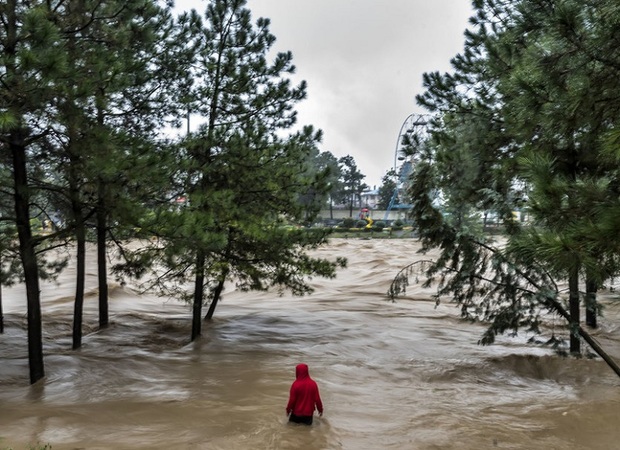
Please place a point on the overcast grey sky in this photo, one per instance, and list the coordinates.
(363, 61)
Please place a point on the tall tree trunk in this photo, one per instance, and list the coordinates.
(80, 237)
(216, 296)
(591, 305)
(573, 303)
(198, 294)
(27, 253)
(557, 306)
(102, 263)
(217, 292)
(79, 283)
(17, 147)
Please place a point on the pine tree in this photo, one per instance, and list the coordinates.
(113, 97)
(242, 181)
(29, 59)
(523, 109)
(564, 118)
(351, 182)
(328, 163)
(387, 189)
(81, 105)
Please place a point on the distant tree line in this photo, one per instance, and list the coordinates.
(527, 121)
(90, 91)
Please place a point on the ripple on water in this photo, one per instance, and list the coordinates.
(403, 375)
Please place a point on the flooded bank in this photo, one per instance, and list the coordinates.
(403, 375)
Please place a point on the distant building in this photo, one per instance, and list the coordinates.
(370, 198)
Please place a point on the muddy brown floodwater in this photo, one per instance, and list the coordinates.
(403, 375)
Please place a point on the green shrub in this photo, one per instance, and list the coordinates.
(349, 222)
(379, 225)
(398, 225)
(361, 224)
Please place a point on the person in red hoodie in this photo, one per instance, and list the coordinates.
(304, 397)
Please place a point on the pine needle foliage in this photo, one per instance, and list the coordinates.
(242, 173)
(525, 122)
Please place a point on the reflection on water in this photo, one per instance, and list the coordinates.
(402, 375)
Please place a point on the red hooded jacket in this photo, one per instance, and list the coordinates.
(304, 396)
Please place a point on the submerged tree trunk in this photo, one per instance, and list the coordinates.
(198, 294)
(75, 174)
(556, 306)
(573, 302)
(591, 305)
(79, 285)
(217, 292)
(27, 253)
(102, 223)
(102, 263)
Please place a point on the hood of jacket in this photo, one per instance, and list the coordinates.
(301, 371)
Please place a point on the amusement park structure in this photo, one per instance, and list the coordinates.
(413, 125)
